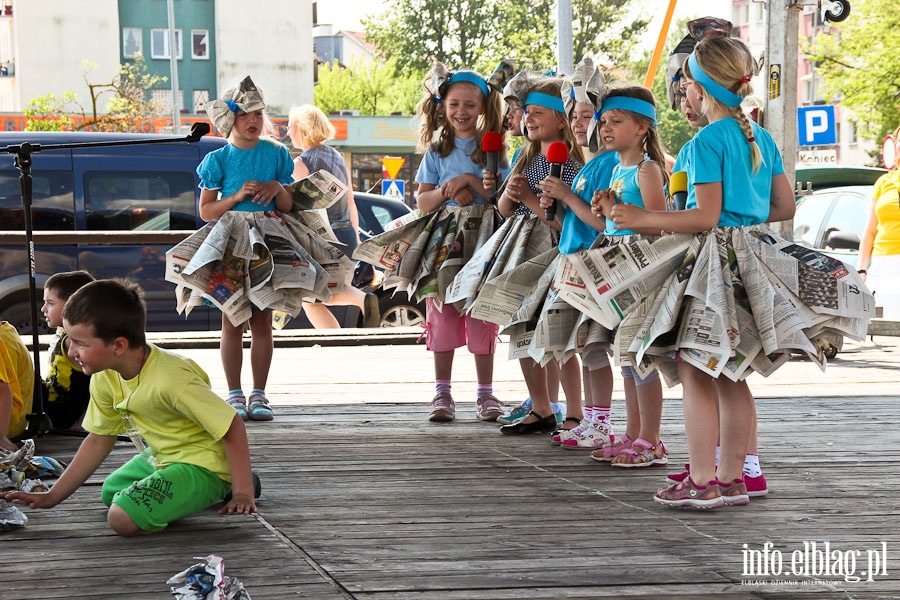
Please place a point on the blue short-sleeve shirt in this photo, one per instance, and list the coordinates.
(720, 153)
(229, 167)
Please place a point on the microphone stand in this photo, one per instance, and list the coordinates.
(39, 423)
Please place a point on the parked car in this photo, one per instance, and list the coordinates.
(375, 213)
(147, 186)
(832, 220)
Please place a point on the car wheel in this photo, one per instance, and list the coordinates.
(400, 312)
(830, 351)
(19, 316)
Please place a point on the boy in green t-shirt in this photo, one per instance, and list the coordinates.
(192, 445)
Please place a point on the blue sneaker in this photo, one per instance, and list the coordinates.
(559, 411)
(516, 414)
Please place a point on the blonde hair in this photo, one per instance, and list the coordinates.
(313, 127)
(432, 112)
(652, 145)
(550, 86)
(728, 62)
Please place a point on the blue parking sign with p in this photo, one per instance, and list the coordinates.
(816, 126)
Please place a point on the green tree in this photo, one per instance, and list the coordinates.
(860, 66)
(373, 89)
(478, 33)
(129, 106)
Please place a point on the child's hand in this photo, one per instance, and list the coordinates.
(488, 179)
(517, 188)
(266, 192)
(464, 197)
(553, 188)
(240, 504)
(454, 187)
(602, 202)
(31, 500)
(627, 216)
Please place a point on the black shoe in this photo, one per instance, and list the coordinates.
(257, 487)
(542, 425)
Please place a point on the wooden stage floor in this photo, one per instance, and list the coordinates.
(370, 501)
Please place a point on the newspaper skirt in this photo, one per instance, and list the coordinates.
(265, 260)
(423, 256)
(490, 285)
(561, 327)
(730, 301)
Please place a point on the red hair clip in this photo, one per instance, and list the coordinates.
(746, 78)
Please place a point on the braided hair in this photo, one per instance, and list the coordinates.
(728, 62)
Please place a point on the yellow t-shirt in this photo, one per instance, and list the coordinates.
(171, 404)
(16, 370)
(887, 210)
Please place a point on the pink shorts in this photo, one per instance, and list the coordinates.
(448, 330)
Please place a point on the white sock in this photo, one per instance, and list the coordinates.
(601, 416)
(751, 466)
(718, 451)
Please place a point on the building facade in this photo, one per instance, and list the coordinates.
(44, 45)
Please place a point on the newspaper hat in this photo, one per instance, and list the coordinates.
(241, 96)
(502, 74)
(699, 29)
(517, 87)
(588, 86)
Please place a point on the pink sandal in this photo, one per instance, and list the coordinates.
(613, 449)
(688, 494)
(734, 493)
(643, 454)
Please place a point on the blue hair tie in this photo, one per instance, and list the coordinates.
(437, 99)
(572, 92)
(716, 90)
(233, 106)
(635, 105)
(547, 101)
(470, 78)
(596, 115)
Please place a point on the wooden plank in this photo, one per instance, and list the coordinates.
(363, 498)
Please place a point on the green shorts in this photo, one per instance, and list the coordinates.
(154, 498)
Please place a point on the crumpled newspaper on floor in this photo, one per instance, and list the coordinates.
(207, 581)
(20, 470)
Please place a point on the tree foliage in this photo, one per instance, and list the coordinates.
(129, 105)
(860, 66)
(372, 89)
(477, 34)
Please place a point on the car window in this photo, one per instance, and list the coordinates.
(849, 214)
(383, 215)
(808, 218)
(139, 200)
(53, 202)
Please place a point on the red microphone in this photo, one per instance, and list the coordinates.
(557, 155)
(492, 145)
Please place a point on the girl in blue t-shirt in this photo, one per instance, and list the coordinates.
(628, 126)
(739, 181)
(581, 229)
(249, 174)
(457, 110)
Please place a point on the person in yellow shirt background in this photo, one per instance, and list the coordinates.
(879, 247)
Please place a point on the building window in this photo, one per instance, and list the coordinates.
(159, 43)
(132, 42)
(163, 100)
(201, 97)
(200, 44)
(854, 134)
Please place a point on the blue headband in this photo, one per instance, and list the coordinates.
(717, 91)
(470, 78)
(635, 105)
(547, 101)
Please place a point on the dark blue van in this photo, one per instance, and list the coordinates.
(152, 187)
